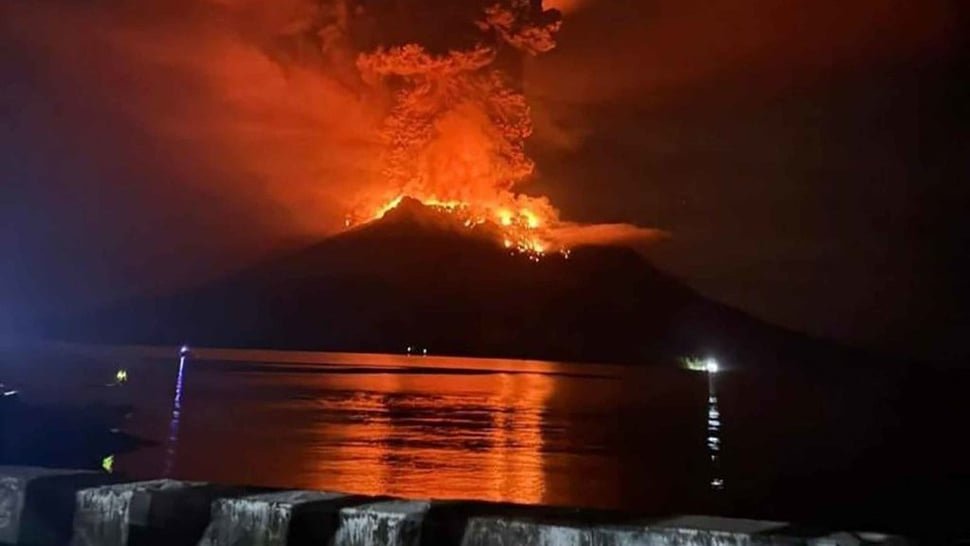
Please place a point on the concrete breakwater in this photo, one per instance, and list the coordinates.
(40, 506)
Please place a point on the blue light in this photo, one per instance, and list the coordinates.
(173, 424)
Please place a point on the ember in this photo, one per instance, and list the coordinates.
(521, 230)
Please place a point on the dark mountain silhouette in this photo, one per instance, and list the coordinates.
(418, 278)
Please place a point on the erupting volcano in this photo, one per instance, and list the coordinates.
(431, 250)
(419, 276)
(454, 135)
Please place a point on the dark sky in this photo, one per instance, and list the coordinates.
(808, 157)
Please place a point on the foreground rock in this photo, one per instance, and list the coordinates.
(162, 512)
(181, 513)
(391, 523)
(37, 504)
(284, 518)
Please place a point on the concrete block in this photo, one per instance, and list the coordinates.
(389, 523)
(158, 512)
(719, 531)
(503, 531)
(37, 504)
(285, 518)
(726, 525)
(687, 531)
(625, 535)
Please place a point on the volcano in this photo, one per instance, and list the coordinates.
(419, 278)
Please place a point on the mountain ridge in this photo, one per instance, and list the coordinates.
(418, 277)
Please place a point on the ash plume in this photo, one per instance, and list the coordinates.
(217, 130)
(458, 120)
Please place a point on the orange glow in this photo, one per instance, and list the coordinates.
(531, 220)
(453, 135)
(382, 210)
(522, 232)
(512, 469)
(504, 216)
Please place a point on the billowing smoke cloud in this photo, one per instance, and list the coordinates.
(458, 122)
(564, 6)
(457, 126)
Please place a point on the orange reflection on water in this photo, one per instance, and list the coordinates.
(386, 435)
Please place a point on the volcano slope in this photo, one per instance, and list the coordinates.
(417, 277)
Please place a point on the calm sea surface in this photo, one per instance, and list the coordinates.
(865, 448)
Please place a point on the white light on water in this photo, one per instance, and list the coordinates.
(711, 365)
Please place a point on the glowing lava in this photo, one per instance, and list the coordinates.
(522, 229)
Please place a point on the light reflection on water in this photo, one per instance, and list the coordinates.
(654, 439)
(428, 427)
(423, 427)
(481, 433)
(171, 448)
(714, 445)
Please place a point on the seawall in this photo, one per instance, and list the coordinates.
(41, 506)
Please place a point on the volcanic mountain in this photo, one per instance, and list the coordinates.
(419, 278)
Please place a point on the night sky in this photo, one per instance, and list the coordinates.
(809, 159)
